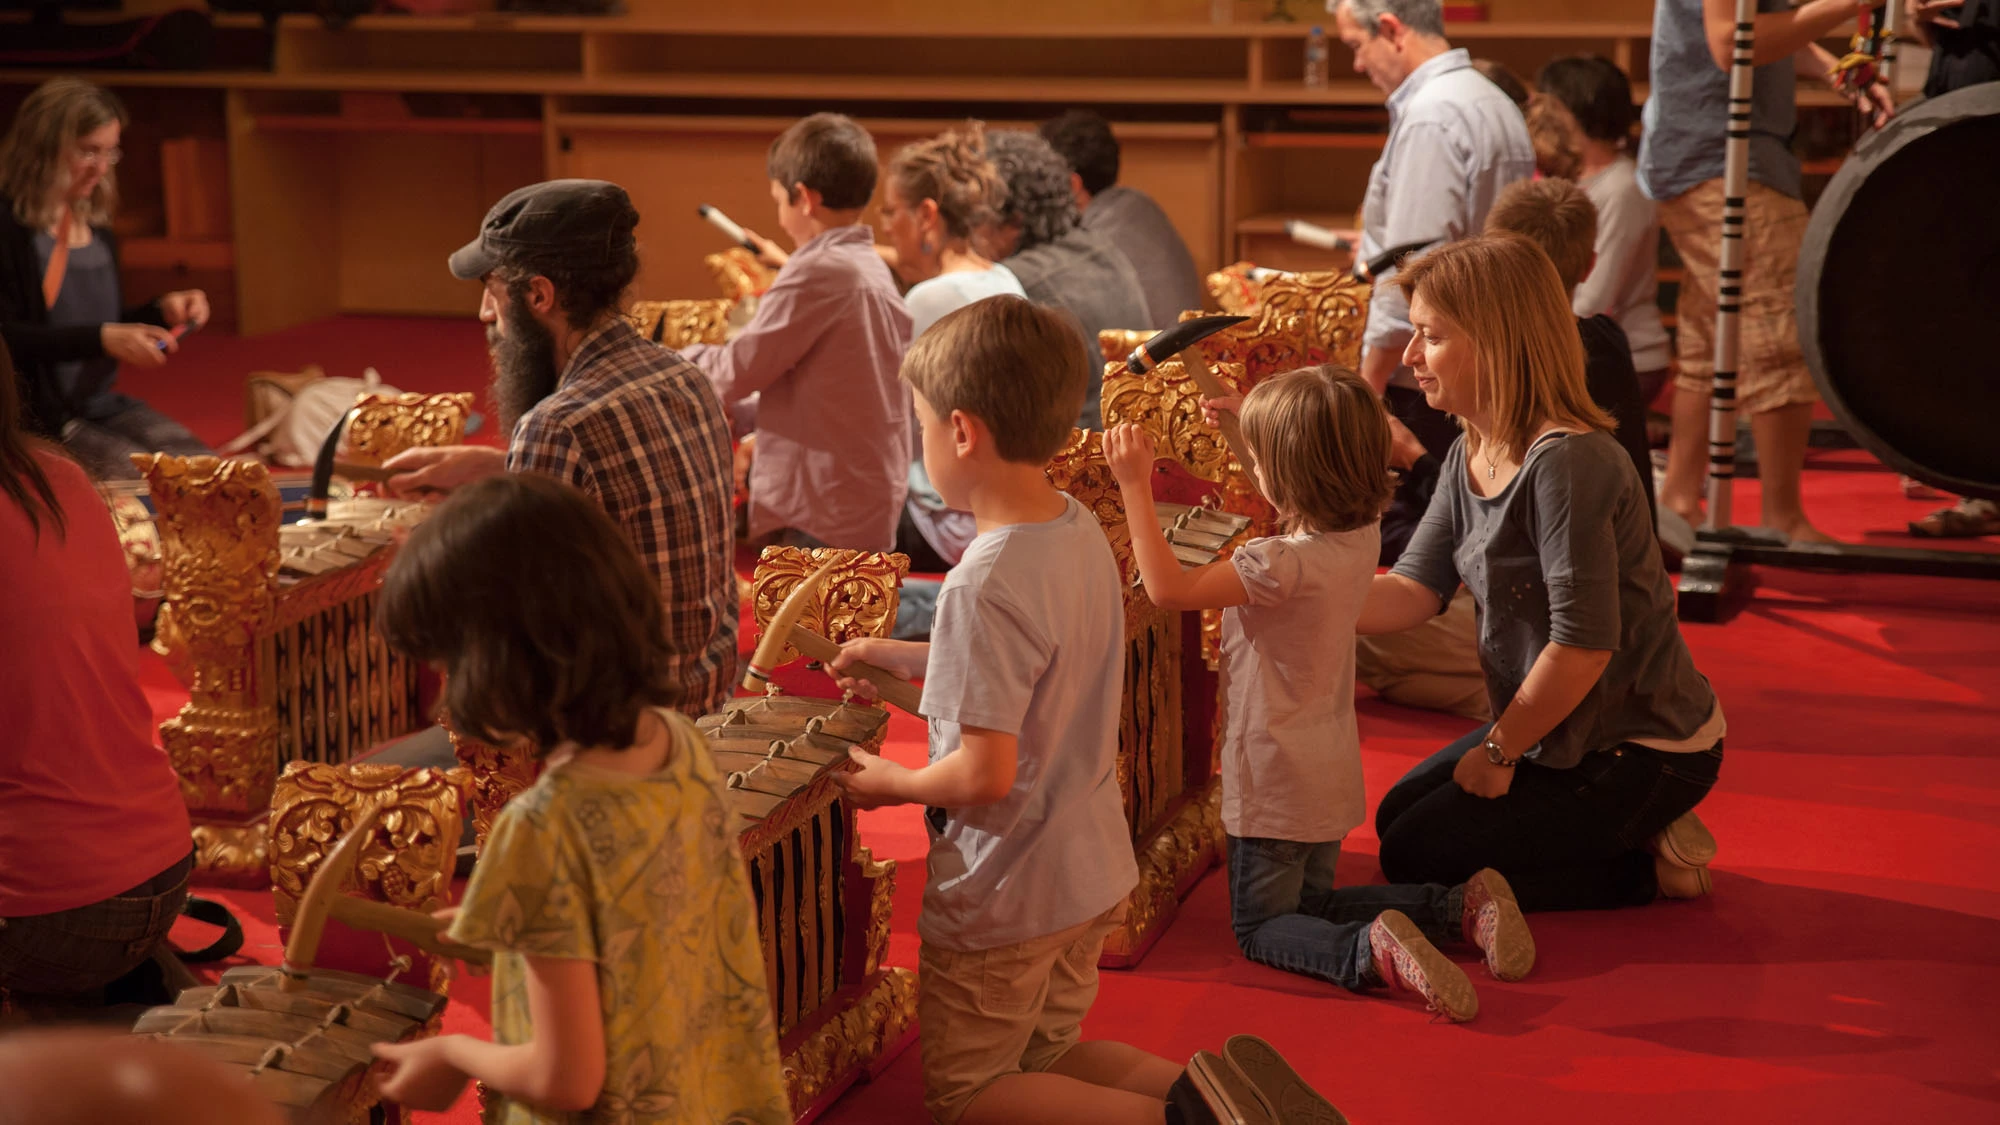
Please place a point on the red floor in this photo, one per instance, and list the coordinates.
(1845, 970)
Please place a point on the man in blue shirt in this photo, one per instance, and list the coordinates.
(1680, 165)
(1454, 141)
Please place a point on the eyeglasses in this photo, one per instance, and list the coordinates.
(103, 157)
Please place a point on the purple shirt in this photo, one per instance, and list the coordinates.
(833, 420)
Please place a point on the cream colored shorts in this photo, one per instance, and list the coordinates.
(1770, 369)
(1012, 1010)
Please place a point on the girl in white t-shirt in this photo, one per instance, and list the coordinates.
(1291, 760)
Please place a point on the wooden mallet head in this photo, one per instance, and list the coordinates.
(309, 922)
(778, 631)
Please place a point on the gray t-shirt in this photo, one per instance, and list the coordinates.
(1030, 640)
(1686, 116)
(1566, 554)
(1142, 232)
(1083, 273)
(89, 295)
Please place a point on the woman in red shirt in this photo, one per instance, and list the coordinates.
(95, 850)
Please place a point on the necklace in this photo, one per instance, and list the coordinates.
(1490, 467)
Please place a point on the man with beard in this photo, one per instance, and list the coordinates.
(589, 402)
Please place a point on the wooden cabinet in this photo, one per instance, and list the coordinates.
(366, 154)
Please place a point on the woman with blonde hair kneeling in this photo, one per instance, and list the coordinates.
(1580, 794)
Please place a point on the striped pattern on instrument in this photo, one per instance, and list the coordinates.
(780, 755)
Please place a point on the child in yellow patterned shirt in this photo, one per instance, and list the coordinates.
(628, 985)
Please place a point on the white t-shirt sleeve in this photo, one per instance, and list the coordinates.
(986, 657)
(1271, 570)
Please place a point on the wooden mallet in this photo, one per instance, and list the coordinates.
(1181, 340)
(323, 900)
(784, 629)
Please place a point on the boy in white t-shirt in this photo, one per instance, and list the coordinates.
(1031, 859)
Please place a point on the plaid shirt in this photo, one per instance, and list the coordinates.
(639, 429)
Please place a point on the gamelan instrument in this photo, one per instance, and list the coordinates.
(784, 629)
(300, 1034)
(823, 902)
(272, 624)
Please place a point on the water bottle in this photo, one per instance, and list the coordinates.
(1316, 59)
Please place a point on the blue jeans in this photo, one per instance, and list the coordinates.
(1288, 914)
(916, 609)
(1571, 839)
(112, 427)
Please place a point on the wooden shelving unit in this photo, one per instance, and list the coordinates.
(364, 155)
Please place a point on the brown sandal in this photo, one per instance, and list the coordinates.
(1969, 519)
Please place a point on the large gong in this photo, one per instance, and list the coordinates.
(1899, 292)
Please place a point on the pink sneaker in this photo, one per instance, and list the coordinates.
(1493, 922)
(1405, 959)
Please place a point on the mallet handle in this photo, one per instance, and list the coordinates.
(413, 926)
(891, 687)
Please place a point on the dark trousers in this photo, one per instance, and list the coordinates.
(111, 427)
(72, 952)
(1571, 839)
(1436, 430)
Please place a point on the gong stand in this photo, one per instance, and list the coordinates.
(1713, 572)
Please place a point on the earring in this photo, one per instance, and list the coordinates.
(929, 247)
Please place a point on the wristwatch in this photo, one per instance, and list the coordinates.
(1496, 755)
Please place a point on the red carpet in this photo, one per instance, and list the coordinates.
(1844, 971)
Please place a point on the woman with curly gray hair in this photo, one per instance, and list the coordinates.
(1037, 236)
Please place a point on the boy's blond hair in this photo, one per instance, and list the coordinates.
(1555, 215)
(1502, 293)
(1320, 438)
(1010, 363)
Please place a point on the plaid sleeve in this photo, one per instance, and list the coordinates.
(547, 446)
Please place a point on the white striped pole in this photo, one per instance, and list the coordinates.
(1892, 19)
(1729, 278)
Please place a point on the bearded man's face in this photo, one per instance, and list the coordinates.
(523, 351)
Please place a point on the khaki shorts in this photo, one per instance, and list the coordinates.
(1011, 1010)
(1434, 666)
(1770, 370)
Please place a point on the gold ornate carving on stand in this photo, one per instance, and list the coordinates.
(1235, 291)
(1300, 319)
(1167, 404)
(408, 862)
(1079, 468)
(1117, 344)
(1181, 849)
(382, 426)
(851, 1040)
(738, 273)
(218, 524)
(857, 600)
(410, 859)
(494, 776)
(881, 876)
(679, 323)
